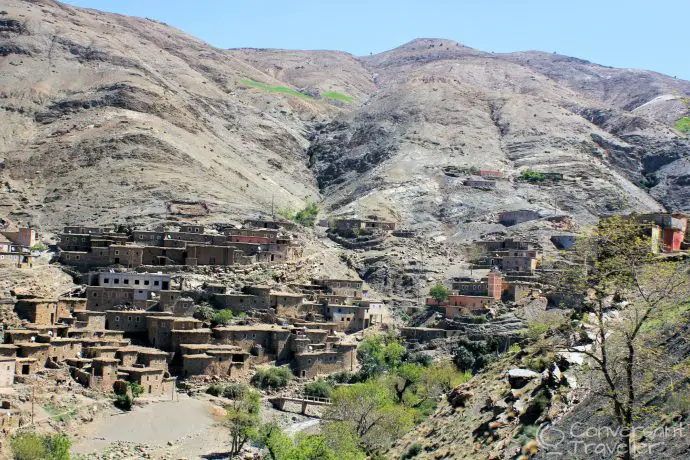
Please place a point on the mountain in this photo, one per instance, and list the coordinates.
(108, 118)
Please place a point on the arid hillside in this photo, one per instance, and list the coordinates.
(108, 118)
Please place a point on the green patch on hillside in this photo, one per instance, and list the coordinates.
(683, 125)
(668, 317)
(274, 89)
(336, 96)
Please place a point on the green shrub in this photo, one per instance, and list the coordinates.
(683, 125)
(272, 378)
(124, 401)
(222, 317)
(439, 293)
(215, 389)
(414, 450)
(58, 446)
(28, 446)
(514, 348)
(473, 170)
(532, 176)
(318, 389)
(307, 215)
(235, 391)
(39, 247)
(343, 377)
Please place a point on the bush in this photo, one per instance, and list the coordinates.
(215, 389)
(343, 377)
(318, 389)
(204, 313)
(683, 125)
(272, 378)
(28, 446)
(32, 446)
(124, 401)
(235, 391)
(532, 176)
(222, 317)
(307, 216)
(414, 450)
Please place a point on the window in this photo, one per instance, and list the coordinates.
(129, 318)
(156, 283)
(136, 282)
(117, 319)
(126, 281)
(116, 281)
(117, 253)
(95, 294)
(146, 282)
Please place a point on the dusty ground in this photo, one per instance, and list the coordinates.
(186, 427)
(191, 426)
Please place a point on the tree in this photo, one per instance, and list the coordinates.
(222, 317)
(318, 389)
(366, 410)
(32, 446)
(625, 286)
(439, 293)
(243, 420)
(272, 378)
(378, 354)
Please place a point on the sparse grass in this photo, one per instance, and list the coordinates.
(60, 414)
(337, 96)
(668, 317)
(275, 89)
(683, 125)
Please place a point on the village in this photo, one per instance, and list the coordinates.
(141, 316)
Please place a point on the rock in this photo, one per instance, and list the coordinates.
(555, 375)
(459, 396)
(518, 378)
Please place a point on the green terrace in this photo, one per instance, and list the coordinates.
(333, 95)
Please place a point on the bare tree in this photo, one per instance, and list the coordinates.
(626, 285)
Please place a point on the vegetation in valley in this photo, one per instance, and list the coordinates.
(305, 216)
(683, 125)
(337, 96)
(29, 445)
(275, 89)
(272, 378)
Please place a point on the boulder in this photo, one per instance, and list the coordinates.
(459, 396)
(518, 378)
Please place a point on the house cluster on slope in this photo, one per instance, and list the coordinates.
(190, 245)
(137, 326)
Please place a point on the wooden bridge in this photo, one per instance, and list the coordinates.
(305, 401)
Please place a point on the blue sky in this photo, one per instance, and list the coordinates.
(634, 33)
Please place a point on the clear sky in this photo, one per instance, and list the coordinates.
(643, 34)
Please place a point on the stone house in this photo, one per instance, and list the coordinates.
(7, 371)
(41, 311)
(480, 184)
(510, 218)
(62, 349)
(192, 228)
(189, 336)
(200, 359)
(310, 364)
(155, 381)
(491, 286)
(349, 288)
(286, 303)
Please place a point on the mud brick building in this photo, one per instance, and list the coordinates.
(349, 288)
(7, 371)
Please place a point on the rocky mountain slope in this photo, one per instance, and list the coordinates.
(109, 118)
